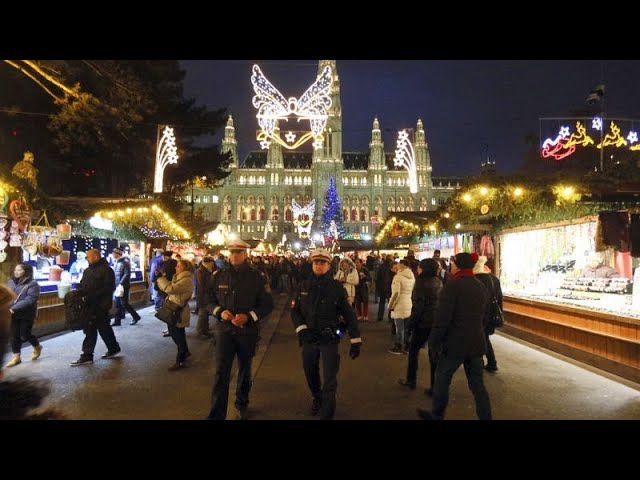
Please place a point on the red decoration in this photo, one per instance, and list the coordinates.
(21, 213)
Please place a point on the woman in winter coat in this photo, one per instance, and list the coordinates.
(6, 299)
(348, 276)
(23, 312)
(179, 291)
(400, 303)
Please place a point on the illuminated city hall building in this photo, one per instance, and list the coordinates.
(369, 185)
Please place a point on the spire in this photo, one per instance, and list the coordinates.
(376, 147)
(419, 134)
(229, 142)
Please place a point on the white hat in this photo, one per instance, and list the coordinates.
(237, 245)
(320, 254)
(479, 266)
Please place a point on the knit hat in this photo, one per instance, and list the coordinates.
(464, 260)
(117, 251)
(479, 266)
(429, 266)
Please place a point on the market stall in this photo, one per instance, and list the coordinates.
(567, 291)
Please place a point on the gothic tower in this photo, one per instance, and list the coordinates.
(423, 161)
(229, 143)
(327, 161)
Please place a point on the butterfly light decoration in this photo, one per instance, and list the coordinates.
(313, 105)
(299, 213)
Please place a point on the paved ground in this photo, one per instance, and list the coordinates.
(532, 383)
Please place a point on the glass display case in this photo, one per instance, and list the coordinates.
(560, 265)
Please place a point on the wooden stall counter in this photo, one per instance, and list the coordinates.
(604, 340)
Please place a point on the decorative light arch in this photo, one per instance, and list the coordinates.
(406, 157)
(166, 153)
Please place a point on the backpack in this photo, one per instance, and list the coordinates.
(76, 311)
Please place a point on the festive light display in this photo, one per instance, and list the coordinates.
(303, 217)
(166, 153)
(566, 142)
(332, 211)
(406, 157)
(152, 221)
(313, 105)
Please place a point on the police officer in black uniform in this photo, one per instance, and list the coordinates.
(317, 308)
(239, 302)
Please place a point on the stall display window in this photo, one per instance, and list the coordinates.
(561, 265)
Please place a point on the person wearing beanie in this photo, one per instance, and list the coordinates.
(423, 306)
(122, 272)
(492, 284)
(458, 338)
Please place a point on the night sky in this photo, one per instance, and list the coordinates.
(465, 106)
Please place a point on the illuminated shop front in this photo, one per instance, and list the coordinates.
(568, 291)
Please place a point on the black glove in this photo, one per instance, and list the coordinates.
(354, 351)
(304, 336)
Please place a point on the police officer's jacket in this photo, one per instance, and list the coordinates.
(240, 290)
(319, 303)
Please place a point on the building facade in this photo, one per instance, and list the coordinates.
(370, 186)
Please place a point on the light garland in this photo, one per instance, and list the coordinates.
(166, 153)
(143, 216)
(313, 105)
(406, 157)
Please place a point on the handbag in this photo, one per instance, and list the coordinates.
(169, 313)
(119, 291)
(497, 318)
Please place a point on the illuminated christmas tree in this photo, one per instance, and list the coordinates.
(332, 210)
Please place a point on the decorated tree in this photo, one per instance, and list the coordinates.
(332, 210)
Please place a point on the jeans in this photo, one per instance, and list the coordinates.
(399, 322)
(447, 366)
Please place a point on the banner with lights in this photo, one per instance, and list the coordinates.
(273, 108)
(567, 134)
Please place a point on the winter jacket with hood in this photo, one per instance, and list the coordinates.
(401, 289)
(349, 278)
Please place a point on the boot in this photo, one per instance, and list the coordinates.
(37, 350)
(15, 360)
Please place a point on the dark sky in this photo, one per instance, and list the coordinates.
(463, 104)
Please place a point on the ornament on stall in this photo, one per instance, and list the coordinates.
(3, 254)
(484, 209)
(64, 231)
(21, 213)
(25, 170)
(15, 239)
(4, 200)
(45, 237)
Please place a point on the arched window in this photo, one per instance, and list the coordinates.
(363, 215)
(288, 214)
(354, 215)
(345, 214)
(263, 214)
(253, 214)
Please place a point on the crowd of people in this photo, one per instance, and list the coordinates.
(434, 303)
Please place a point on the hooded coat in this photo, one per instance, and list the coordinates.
(401, 289)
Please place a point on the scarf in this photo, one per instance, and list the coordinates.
(464, 272)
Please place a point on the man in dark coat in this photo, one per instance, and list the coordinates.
(122, 271)
(318, 304)
(458, 338)
(97, 286)
(239, 301)
(203, 296)
(384, 277)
